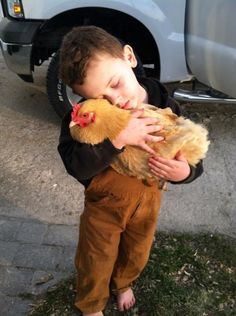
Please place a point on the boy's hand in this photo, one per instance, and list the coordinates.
(176, 169)
(138, 131)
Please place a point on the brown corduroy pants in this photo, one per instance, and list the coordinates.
(116, 234)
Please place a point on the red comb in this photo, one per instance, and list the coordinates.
(75, 111)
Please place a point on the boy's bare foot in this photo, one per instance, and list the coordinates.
(125, 300)
(94, 314)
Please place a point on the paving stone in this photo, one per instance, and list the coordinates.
(67, 262)
(34, 257)
(8, 250)
(15, 281)
(31, 232)
(9, 228)
(13, 306)
(41, 257)
(64, 235)
(43, 280)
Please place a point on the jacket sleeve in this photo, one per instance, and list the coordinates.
(195, 172)
(83, 161)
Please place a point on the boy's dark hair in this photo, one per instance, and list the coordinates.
(79, 46)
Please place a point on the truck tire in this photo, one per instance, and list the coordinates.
(60, 95)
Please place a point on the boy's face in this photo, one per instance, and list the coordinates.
(113, 79)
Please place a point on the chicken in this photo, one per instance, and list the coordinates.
(95, 120)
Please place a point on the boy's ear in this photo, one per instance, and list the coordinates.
(129, 56)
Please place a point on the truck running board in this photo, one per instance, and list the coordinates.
(202, 96)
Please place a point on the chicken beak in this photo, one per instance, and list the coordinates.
(72, 123)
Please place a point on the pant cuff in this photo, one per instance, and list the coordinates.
(91, 307)
(120, 291)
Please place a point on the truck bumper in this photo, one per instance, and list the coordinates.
(16, 40)
(17, 57)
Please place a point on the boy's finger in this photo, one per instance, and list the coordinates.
(137, 112)
(150, 120)
(147, 148)
(159, 165)
(180, 157)
(154, 128)
(153, 138)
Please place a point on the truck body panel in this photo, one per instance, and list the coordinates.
(211, 43)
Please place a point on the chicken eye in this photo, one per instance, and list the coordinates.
(85, 114)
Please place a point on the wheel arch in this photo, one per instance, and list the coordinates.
(120, 24)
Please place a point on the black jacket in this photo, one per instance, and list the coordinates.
(83, 161)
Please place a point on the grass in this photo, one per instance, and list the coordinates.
(187, 275)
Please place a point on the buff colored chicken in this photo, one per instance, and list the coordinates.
(95, 120)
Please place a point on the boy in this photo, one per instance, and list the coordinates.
(119, 218)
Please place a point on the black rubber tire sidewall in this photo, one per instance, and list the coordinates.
(56, 89)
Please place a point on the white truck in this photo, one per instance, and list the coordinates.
(175, 40)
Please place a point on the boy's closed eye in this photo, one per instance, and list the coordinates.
(115, 85)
